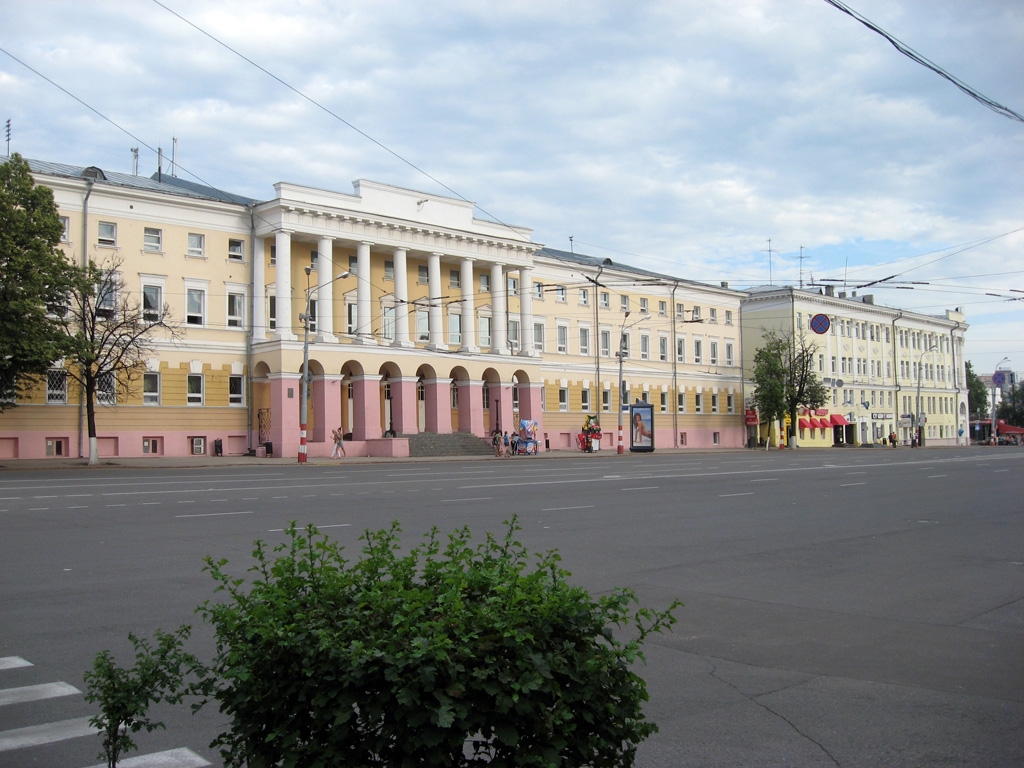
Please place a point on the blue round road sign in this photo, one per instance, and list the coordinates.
(820, 323)
(999, 378)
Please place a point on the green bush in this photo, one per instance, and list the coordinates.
(450, 655)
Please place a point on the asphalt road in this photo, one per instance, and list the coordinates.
(856, 607)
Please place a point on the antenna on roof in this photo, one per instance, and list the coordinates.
(135, 161)
(159, 163)
(8, 137)
(570, 236)
(801, 267)
(174, 156)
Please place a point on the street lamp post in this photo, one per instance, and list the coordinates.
(1004, 360)
(596, 338)
(917, 406)
(621, 354)
(304, 386)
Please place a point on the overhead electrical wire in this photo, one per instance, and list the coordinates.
(913, 55)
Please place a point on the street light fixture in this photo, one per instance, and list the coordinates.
(621, 354)
(304, 386)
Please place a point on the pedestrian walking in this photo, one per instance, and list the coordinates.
(506, 445)
(496, 442)
(339, 444)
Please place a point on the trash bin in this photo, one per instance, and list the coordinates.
(270, 448)
(218, 447)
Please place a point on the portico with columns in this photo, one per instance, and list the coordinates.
(409, 352)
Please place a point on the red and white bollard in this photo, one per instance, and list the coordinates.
(302, 444)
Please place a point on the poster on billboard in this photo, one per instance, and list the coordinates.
(641, 427)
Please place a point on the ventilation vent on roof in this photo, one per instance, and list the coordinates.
(94, 173)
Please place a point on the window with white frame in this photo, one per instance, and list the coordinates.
(714, 402)
(643, 307)
(585, 399)
(151, 388)
(484, 323)
(106, 388)
(196, 245)
(664, 402)
(697, 351)
(106, 293)
(422, 274)
(730, 403)
(662, 309)
(152, 302)
(422, 325)
(513, 286)
(606, 400)
(454, 278)
(624, 344)
(584, 340)
(236, 250)
(663, 348)
(513, 335)
(695, 312)
(562, 338)
(538, 336)
(65, 229)
(152, 239)
(195, 306)
(680, 314)
(624, 303)
(681, 402)
(107, 234)
(271, 311)
(563, 399)
(606, 300)
(273, 255)
(236, 390)
(714, 352)
(353, 265)
(351, 316)
(698, 402)
(680, 350)
(314, 260)
(561, 295)
(195, 389)
(236, 308)
(606, 343)
(645, 347)
(389, 270)
(485, 283)
(623, 392)
(713, 315)
(584, 297)
(538, 291)
(454, 327)
(728, 317)
(56, 385)
(387, 321)
(729, 357)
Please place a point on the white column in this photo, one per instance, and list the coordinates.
(499, 327)
(435, 317)
(285, 319)
(469, 341)
(259, 290)
(325, 291)
(401, 300)
(526, 312)
(364, 322)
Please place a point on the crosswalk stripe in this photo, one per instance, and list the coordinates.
(172, 758)
(13, 662)
(36, 735)
(36, 692)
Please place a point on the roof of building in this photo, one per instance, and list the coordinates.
(583, 260)
(169, 185)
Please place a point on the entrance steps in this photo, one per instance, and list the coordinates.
(455, 444)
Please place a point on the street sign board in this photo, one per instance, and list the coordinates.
(820, 323)
(999, 378)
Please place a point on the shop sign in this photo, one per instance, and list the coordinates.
(750, 417)
(881, 416)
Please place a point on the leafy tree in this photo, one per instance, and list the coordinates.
(1012, 407)
(784, 378)
(35, 278)
(451, 655)
(978, 395)
(125, 695)
(111, 336)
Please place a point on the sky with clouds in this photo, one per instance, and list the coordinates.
(675, 136)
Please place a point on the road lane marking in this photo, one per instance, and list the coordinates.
(13, 662)
(476, 498)
(37, 735)
(36, 692)
(847, 485)
(640, 488)
(216, 514)
(933, 476)
(318, 527)
(727, 495)
(764, 480)
(560, 509)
